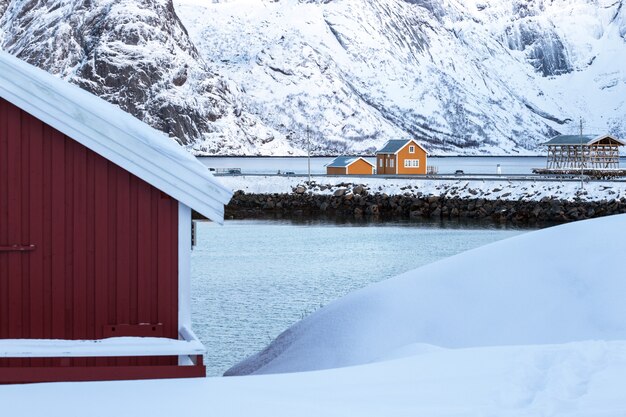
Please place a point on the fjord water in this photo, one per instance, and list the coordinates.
(253, 279)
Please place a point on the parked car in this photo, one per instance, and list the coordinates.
(236, 171)
(459, 172)
(290, 173)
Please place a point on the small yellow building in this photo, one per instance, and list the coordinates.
(401, 157)
(350, 165)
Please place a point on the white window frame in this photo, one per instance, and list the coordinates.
(380, 162)
(391, 162)
(411, 163)
(412, 149)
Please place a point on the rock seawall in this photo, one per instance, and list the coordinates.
(357, 202)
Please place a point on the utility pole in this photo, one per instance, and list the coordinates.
(308, 150)
(581, 126)
(582, 157)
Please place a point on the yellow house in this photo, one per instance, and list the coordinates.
(402, 157)
(349, 165)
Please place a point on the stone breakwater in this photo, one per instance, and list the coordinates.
(357, 201)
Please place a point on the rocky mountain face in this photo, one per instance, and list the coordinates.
(136, 54)
(341, 76)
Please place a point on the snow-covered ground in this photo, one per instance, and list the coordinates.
(575, 379)
(530, 326)
(453, 188)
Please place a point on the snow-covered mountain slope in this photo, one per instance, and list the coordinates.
(530, 289)
(137, 54)
(244, 77)
(479, 76)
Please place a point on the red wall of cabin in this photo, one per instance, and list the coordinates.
(106, 243)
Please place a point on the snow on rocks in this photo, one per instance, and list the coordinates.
(504, 189)
(501, 201)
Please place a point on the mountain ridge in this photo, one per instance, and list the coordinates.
(245, 77)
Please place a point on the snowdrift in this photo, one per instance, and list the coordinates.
(553, 286)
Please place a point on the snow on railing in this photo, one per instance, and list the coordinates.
(110, 347)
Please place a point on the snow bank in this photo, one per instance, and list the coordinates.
(579, 379)
(564, 284)
(555, 285)
(491, 189)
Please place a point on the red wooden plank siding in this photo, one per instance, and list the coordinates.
(164, 271)
(58, 259)
(106, 243)
(4, 215)
(144, 238)
(35, 273)
(79, 237)
(90, 284)
(123, 247)
(13, 224)
(101, 249)
(47, 237)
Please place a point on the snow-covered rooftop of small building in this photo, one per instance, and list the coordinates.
(344, 161)
(114, 134)
(580, 139)
(393, 146)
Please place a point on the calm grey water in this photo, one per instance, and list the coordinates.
(253, 279)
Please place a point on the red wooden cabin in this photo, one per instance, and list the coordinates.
(95, 237)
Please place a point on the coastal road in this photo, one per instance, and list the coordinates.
(445, 177)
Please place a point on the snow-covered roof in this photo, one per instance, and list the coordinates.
(394, 146)
(581, 140)
(344, 161)
(114, 134)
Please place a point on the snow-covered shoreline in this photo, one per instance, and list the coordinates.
(489, 189)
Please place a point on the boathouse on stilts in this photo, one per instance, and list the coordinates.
(594, 155)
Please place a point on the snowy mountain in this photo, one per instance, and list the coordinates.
(487, 76)
(136, 54)
(246, 77)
